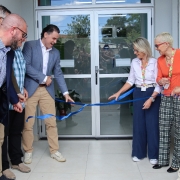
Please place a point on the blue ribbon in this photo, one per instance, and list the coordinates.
(113, 102)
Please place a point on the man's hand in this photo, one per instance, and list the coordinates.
(48, 81)
(68, 98)
(176, 91)
(18, 107)
(22, 98)
(25, 94)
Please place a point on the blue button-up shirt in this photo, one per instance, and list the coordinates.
(3, 59)
(19, 68)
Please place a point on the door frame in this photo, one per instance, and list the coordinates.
(94, 39)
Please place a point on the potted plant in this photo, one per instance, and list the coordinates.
(63, 107)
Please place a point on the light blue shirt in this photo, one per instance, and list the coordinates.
(19, 68)
(3, 59)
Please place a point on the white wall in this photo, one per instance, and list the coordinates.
(166, 19)
(24, 8)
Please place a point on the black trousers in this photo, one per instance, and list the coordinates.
(12, 140)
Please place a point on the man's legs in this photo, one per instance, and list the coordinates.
(27, 134)
(16, 124)
(1, 142)
(47, 106)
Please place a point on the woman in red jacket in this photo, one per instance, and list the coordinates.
(169, 113)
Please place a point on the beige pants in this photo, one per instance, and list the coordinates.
(1, 143)
(46, 103)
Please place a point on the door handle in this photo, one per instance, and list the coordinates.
(96, 73)
(97, 69)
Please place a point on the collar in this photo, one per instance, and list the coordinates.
(149, 62)
(44, 47)
(2, 47)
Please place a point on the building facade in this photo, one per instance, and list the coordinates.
(96, 51)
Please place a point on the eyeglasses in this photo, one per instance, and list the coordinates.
(24, 35)
(157, 45)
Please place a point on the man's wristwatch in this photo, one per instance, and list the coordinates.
(152, 98)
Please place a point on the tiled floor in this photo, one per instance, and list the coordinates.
(91, 160)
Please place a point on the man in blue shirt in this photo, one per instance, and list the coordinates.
(12, 31)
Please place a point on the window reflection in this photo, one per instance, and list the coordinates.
(87, 2)
(123, 1)
(63, 2)
(116, 34)
(74, 42)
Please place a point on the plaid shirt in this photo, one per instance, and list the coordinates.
(3, 59)
(19, 67)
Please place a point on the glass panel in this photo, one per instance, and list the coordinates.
(74, 48)
(114, 119)
(116, 33)
(123, 1)
(74, 42)
(63, 2)
(81, 123)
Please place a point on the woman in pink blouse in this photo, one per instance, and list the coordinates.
(143, 74)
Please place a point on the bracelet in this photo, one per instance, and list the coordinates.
(152, 98)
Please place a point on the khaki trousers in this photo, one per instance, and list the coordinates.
(1, 143)
(46, 103)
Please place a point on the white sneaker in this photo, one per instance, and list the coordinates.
(28, 158)
(58, 156)
(135, 159)
(153, 161)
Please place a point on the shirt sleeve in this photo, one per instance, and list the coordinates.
(131, 78)
(159, 72)
(158, 87)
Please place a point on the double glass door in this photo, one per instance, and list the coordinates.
(96, 51)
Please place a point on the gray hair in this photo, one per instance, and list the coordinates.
(143, 45)
(165, 37)
(3, 11)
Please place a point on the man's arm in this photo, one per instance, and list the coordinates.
(31, 71)
(16, 87)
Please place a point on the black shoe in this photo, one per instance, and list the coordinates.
(171, 170)
(4, 178)
(157, 166)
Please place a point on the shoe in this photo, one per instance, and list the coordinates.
(21, 167)
(153, 161)
(135, 159)
(58, 156)
(9, 174)
(157, 166)
(4, 178)
(171, 170)
(28, 158)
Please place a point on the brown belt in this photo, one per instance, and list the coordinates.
(42, 85)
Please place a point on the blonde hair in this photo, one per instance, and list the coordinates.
(165, 37)
(143, 45)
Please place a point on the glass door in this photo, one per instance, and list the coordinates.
(96, 52)
(114, 36)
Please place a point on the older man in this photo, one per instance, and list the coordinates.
(13, 131)
(11, 35)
